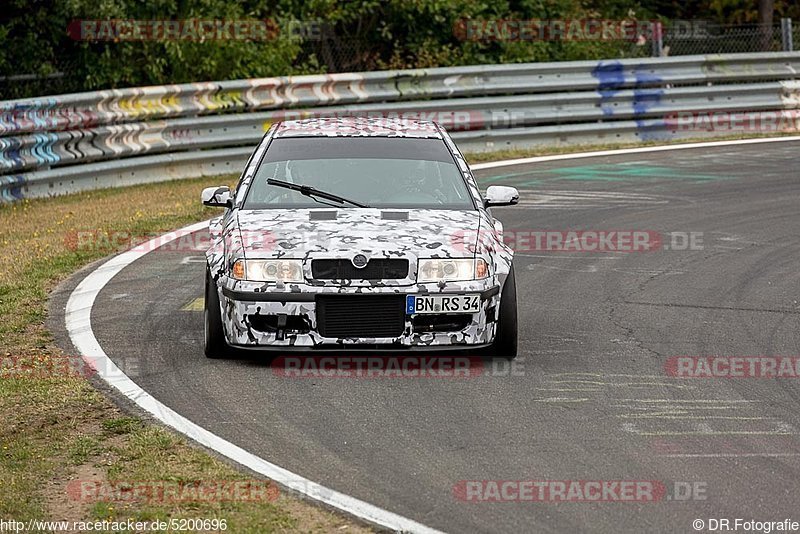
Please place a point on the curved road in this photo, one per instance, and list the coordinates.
(589, 400)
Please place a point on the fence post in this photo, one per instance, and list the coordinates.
(657, 31)
(786, 35)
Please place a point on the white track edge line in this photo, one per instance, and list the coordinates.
(623, 151)
(78, 323)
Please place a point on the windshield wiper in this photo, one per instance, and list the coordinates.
(309, 191)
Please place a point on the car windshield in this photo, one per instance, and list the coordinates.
(381, 172)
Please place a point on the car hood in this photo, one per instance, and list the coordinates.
(302, 233)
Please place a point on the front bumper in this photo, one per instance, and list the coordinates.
(257, 315)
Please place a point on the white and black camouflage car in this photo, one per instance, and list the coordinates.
(359, 233)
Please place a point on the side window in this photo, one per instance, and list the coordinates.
(477, 197)
(251, 167)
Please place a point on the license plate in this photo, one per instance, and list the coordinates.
(443, 304)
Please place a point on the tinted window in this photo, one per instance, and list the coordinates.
(382, 172)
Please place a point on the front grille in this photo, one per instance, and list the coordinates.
(360, 315)
(376, 269)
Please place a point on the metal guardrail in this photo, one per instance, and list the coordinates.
(123, 172)
(59, 144)
(484, 113)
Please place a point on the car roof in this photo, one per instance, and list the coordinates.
(358, 127)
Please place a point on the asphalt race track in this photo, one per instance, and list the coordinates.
(590, 398)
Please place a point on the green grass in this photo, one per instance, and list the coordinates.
(56, 426)
(121, 425)
(82, 448)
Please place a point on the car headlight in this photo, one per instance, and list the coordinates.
(268, 270)
(447, 269)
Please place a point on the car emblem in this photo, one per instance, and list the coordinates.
(359, 261)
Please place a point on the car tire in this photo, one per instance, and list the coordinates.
(505, 340)
(214, 344)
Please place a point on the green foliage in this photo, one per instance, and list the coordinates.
(355, 35)
(34, 40)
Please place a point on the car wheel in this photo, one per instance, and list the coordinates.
(214, 343)
(505, 340)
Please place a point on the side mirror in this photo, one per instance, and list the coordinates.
(501, 195)
(217, 197)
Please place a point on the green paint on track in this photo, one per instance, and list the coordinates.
(627, 172)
